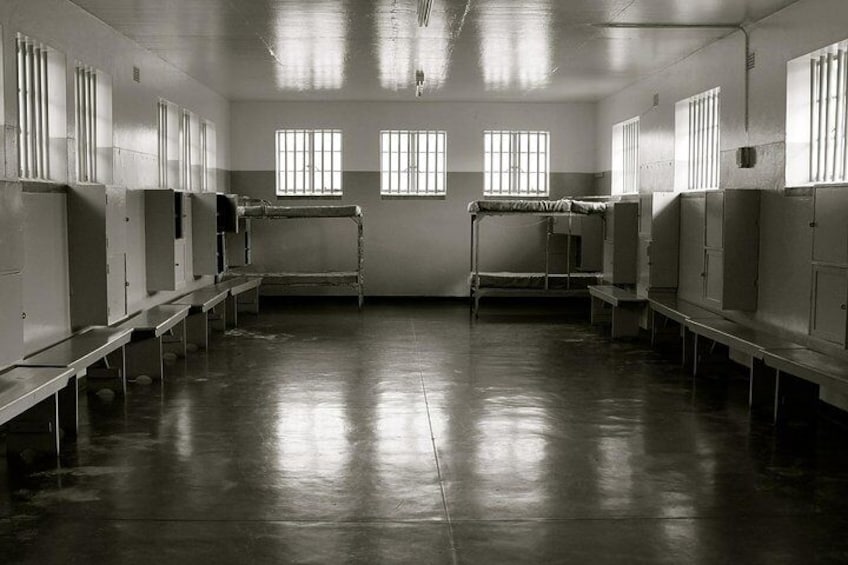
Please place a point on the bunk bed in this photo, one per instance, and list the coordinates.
(262, 210)
(570, 283)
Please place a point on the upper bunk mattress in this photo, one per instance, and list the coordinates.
(271, 211)
(563, 206)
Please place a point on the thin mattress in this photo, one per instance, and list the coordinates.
(563, 206)
(536, 281)
(271, 211)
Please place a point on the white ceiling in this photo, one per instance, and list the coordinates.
(473, 50)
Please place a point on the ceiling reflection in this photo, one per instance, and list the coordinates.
(311, 437)
(404, 48)
(310, 45)
(515, 44)
(513, 443)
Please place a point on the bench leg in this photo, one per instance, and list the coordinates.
(144, 357)
(218, 318)
(175, 340)
(35, 432)
(68, 399)
(762, 392)
(625, 322)
(197, 330)
(251, 305)
(796, 400)
(232, 311)
(110, 374)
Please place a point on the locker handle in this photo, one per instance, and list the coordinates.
(812, 224)
(845, 306)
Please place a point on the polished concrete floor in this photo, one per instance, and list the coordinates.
(409, 434)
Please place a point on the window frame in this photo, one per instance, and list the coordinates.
(413, 172)
(807, 157)
(697, 142)
(42, 110)
(309, 152)
(626, 136)
(513, 173)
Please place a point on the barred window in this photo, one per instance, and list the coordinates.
(625, 157)
(208, 156)
(86, 123)
(33, 109)
(516, 163)
(829, 115)
(309, 162)
(169, 140)
(697, 141)
(412, 163)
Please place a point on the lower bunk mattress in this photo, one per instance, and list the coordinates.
(535, 281)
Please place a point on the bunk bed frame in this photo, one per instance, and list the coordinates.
(544, 284)
(262, 210)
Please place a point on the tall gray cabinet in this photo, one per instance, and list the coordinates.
(11, 267)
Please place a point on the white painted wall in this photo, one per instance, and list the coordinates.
(785, 233)
(81, 37)
(572, 128)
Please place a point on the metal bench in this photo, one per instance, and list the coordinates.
(745, 345)
(37, 403)
(671, 308)
(779, 390)
(203, 314)
(236, 287)
(151, 330)
(96, 353)
(619, 307)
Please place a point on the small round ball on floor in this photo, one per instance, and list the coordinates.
(106, 395)
(143, 380)
(192, 347)
(170, 357)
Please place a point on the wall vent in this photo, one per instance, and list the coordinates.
(136, 74)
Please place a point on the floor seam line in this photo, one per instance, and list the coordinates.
(445, 507)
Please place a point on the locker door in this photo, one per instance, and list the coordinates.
(713, 276)
(830, 237)
(691, 283)
(116, 290)
(715, 220)
(11, 325)
(830, 296)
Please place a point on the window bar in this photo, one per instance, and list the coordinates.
(844, 133)
(92, 111)
(290, 161)
(813, 118)
(33, 108)
(625, 167)
(79, 124)
(306, 161)
(705, 155)
(22, 122)
(717, 142)
(691, 167)
(837, 117)
(822, 93)
(827, 107)
(696, 138)
(708, 156)
(45, 111)
(697, 144)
